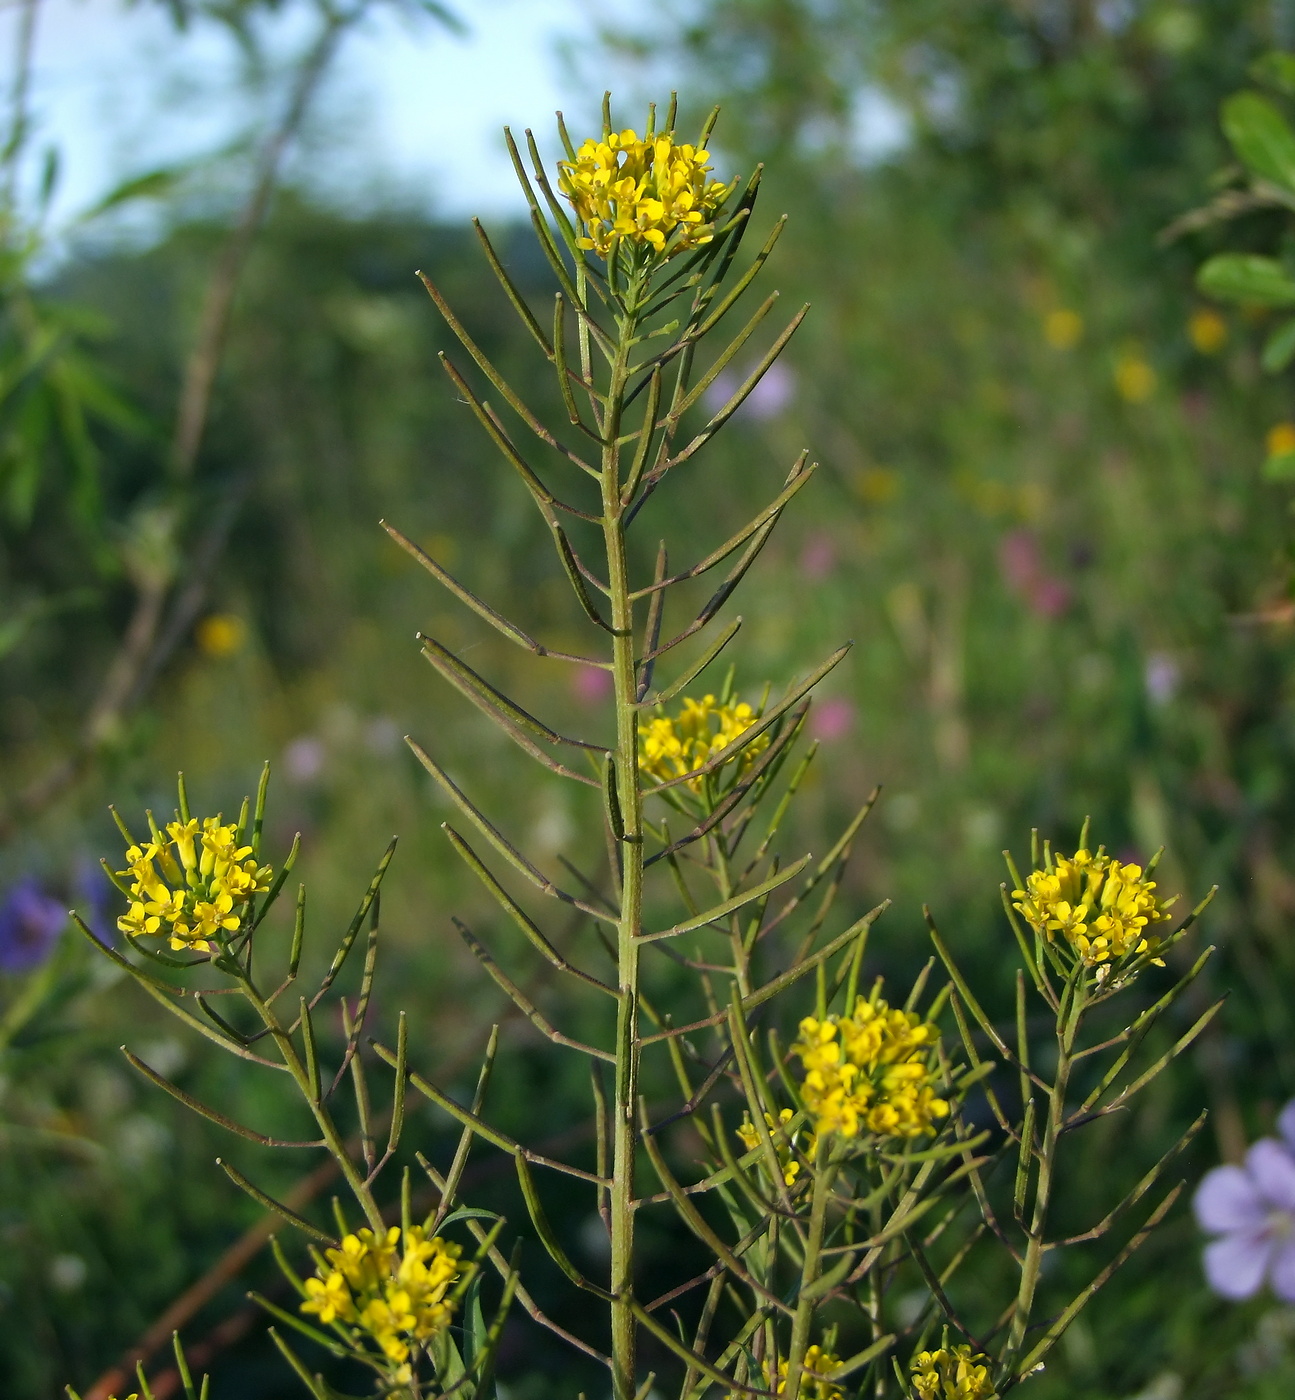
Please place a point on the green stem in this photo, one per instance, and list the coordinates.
(328, 1129)
(629, 924)
(824, 1177)
(1071, 1013)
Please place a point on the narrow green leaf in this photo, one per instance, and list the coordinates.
(500, 843)
(523, 1003)
(698, 666)
(166, 995)
(271, 1204)
(505, 712)
(204, 1111)
(544, 1230)
(729, 906)
(518, 915)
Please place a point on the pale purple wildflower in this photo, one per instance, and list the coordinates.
(30, 923)
(1252, 1211)
(831, 719)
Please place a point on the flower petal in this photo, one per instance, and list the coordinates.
(1283, 1270)
(1227, 1199)
(1286, 1125)
(1273, 1170)
(1235, 1264)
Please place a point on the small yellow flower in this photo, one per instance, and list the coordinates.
(670, 747)
(786, 1157)
(1099, 907)
(1135, 380)
(329, 1298)
(1207, 331)
(873, 1072)
(221, 634)
(876, 486)
(1280, 439)
(1063, 329)
(816, 1383)
(651, 192)
(952, 1373)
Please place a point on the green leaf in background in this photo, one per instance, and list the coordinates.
(1276, 70)
(155, 184)
(1280, 348)
(1261, 137)
(1247, 277)
(1280, 467)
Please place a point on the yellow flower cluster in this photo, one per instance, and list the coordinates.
(870, 1072)
(952, 1373)
(782, 1141)
(396, 1295)
(190, 882)
(815, 1381)
(670, 747)
(651, 191)
(1103, 908)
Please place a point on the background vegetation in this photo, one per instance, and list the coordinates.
(1042, 520)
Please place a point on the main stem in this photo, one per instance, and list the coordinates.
(629, 925)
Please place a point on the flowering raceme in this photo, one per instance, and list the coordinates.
(670, 747)
(952, 1373)
(396, 1296)
(652, 192)
(190, 883)
(1103, 908)
(871, 1072)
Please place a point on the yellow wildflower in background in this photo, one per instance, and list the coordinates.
(783, 1143)
(651, 191)
(393, 1288)
(1135, 380)
(1103, 908)
(1063, 329)
(670, 747)
(952, 1373)
(1280, 439)
(1207, 331)
(190, 883)
(221, 634)
(873, 1071)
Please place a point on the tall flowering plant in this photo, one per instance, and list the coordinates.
(845, 1158)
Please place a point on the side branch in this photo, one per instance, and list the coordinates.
(479, 1126)
(482, 609)
(501, 844)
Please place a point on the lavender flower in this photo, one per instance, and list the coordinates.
(1252, 1211)
(30, 923)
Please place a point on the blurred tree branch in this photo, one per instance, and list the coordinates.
(165, 606)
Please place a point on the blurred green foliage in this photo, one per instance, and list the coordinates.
(1042, 519)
